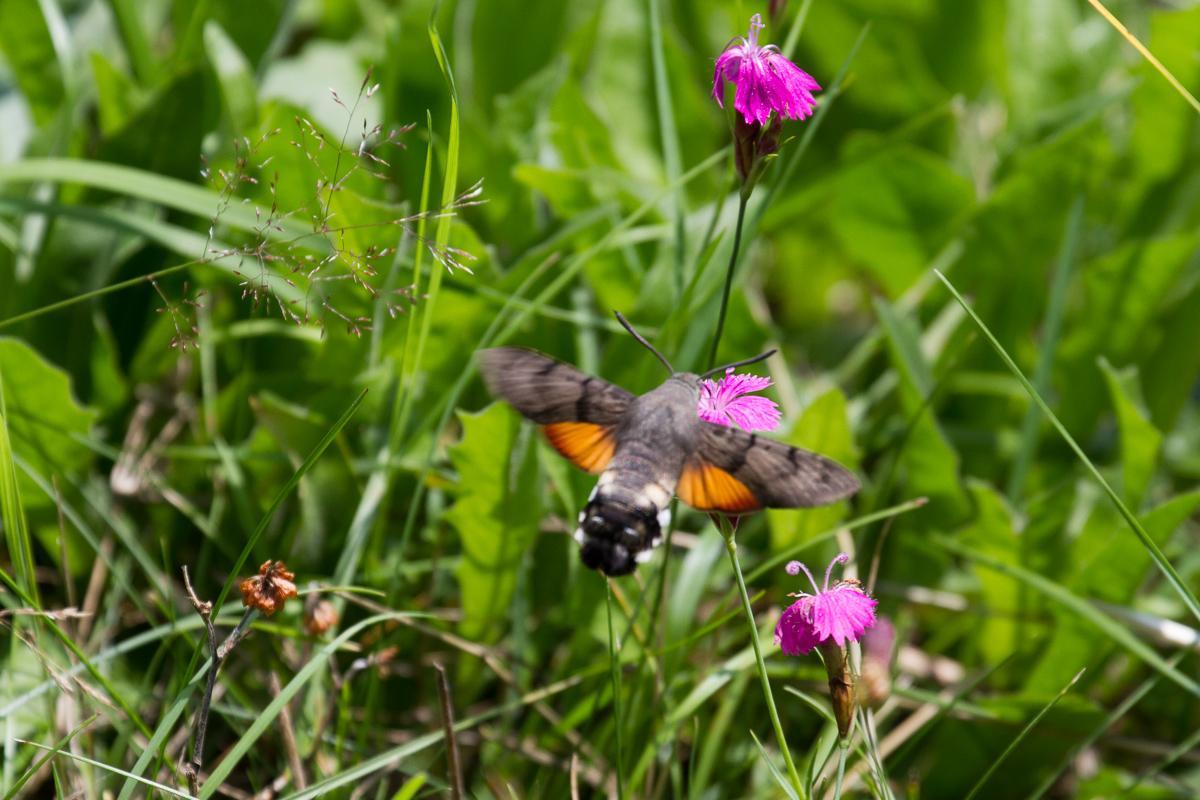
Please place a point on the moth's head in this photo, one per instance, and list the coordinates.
(688, 379)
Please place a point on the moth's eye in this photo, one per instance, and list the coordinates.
(632, 536)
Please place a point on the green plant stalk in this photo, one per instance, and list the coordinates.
(614, 667)
(780, 739)
(103, 290)
(1021, 736)
(733, 257)
(669, 134)
(133, 36)
(1151, 546)
(843, 749)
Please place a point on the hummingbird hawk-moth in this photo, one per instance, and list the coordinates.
(649, 447)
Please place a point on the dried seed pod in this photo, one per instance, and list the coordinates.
(270, 588)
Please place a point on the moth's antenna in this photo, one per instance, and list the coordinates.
(743, 363)
(625, 324)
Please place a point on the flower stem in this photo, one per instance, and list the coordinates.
(616, 688)
(843, 749)
(743, 198)
(780, 739)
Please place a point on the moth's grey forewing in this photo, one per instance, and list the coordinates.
(779, 475)
(652, 438)
(623, 520)
(546, 390)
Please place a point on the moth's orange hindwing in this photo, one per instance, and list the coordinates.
(585, 444)
(708, 488)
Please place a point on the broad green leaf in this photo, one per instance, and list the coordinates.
(44, 418)
(17, 541)
(171, 108)
(117, 96)
(28, 50)
(1126, 289)
(1162, 124)
(496, 515)
(824, 428)
(235, 77)
(892, 210)
(930, 463)
(1140, 440)
(992, 532)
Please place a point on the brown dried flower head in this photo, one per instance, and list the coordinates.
(320, 617)
(270, 588)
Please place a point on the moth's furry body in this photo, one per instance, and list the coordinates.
(649, 448)
(623, 519)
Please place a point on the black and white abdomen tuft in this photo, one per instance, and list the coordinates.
(621, 525)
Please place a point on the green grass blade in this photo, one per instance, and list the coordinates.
(1160, 560)
(12, 514)
(166, 726)
(155, 634)
(780, 780)
(69, 643)
(133, 36)
(669, 134)
(144, 185)
(1116, 714)
(1183, 748)
(1146, 54)
(441, 234)
(41, 762)
(615, 675)
(282, 495)
(789, 44)
(1021, 736)
(390, 758)
(116, 770)
(315, 665)
(1118, 633)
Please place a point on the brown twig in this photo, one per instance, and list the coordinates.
(204, 609)
(217, 655)
(453, 765)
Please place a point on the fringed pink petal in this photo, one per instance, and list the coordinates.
(766, 81)
(753, 413)
(842, 613)
(794, 632)
(724, 402)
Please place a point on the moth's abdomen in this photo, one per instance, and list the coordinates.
(622, 521)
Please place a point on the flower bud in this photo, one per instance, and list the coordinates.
(841, 686)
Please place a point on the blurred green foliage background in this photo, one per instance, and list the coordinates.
(1020, 146)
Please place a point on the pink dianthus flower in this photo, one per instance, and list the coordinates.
(840, 613)
(764, 78)
(728, 402)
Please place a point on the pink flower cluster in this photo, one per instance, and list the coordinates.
(765, 80)
(727, 402)
(840, 613)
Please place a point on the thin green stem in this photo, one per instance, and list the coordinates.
(843, 749)
(103, 290)
(615, 668)
(780, 739)
(733, 257)
(1177, 583)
